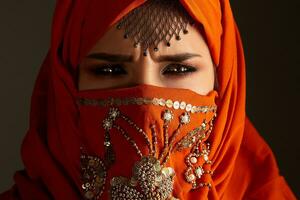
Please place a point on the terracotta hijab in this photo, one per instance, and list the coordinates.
(244, 166)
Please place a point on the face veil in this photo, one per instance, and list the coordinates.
(147, 139)
(71, 133)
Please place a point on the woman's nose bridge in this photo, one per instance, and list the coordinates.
(145, 72)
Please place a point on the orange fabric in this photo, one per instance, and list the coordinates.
(143, 116)
(244, 166)
(256, 164)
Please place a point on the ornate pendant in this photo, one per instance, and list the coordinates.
(149, 181)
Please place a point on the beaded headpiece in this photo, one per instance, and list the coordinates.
(155, 21)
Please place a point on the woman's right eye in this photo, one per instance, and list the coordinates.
(108, 70)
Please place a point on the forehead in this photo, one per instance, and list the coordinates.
(113, 41)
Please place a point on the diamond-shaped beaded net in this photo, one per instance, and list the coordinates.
(155, 21)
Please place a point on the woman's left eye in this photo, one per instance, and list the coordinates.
(178, 69)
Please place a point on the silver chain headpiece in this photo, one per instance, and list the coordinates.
(154, 21)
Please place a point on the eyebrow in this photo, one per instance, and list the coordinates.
(129, 58)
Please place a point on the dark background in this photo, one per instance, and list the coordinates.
(270, 33)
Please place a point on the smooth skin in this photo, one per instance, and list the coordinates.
(114, 63)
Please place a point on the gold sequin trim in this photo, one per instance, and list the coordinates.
(175, 104)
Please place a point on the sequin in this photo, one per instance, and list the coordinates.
(176, 105)
(93, 175)
(155, 101)
(162, 102)
(194, 109)
(188, 107)
(169, 103)
(182, 105)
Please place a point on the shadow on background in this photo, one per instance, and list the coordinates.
(24, 39)
(270, 34)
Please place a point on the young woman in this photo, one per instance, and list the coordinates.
(144, 99)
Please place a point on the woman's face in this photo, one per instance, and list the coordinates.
(114, 63)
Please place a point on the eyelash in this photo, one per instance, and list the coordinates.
(176, 70)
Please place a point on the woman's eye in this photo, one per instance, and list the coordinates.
(108, 70)
(178, 69)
